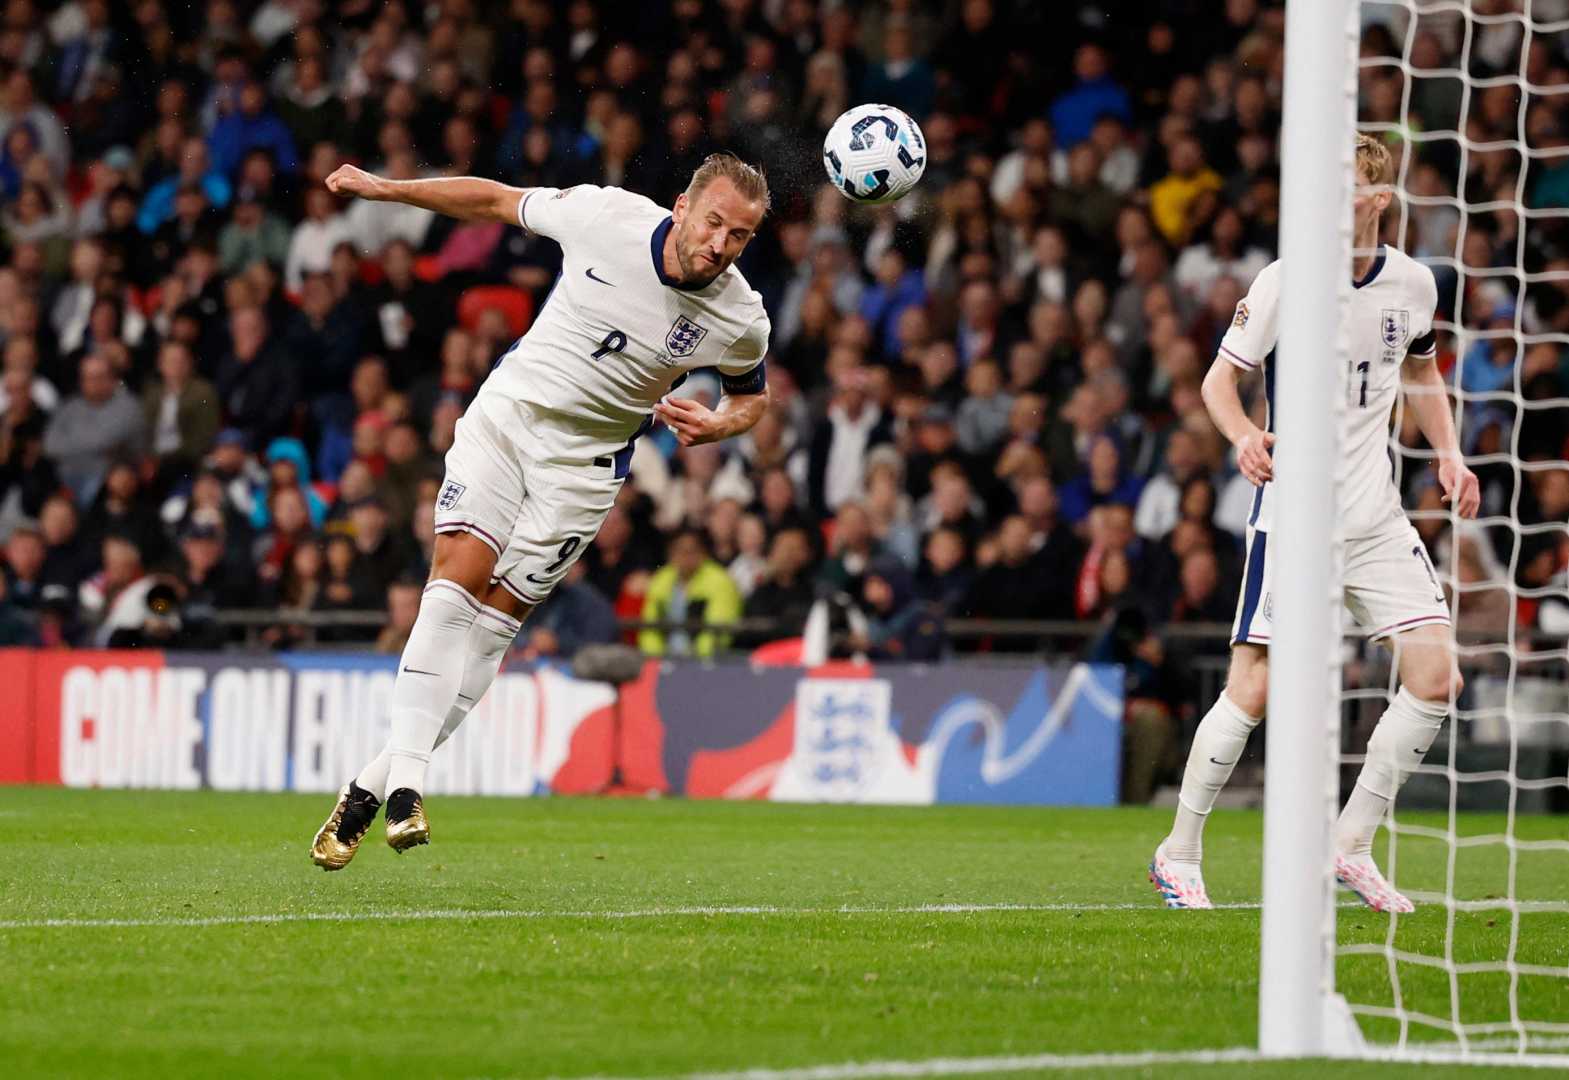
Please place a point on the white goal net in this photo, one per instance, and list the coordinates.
(1472, 98)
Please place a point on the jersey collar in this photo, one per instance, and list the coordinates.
(656, 247)
(1372, 271)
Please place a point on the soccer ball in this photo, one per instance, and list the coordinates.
(874, 154)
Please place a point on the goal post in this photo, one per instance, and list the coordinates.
(1472, 98)
(1296, 968)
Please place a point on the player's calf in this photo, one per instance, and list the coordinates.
(339, 837)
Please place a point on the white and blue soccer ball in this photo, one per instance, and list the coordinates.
(874, 154)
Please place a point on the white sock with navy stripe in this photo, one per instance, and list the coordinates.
(489, 639)
(1217, 747)
(430, 676)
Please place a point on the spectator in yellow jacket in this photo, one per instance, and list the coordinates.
(1172, 198)
(690, 587)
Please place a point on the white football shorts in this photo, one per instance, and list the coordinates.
(1389, 586)
(538, 517)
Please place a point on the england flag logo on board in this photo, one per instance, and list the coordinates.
(684, 337)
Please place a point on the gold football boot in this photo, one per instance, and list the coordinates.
(406, 824)
(339, 838)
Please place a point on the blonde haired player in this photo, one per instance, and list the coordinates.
(1389, 585)
(645, 295)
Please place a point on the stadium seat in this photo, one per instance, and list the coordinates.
(515, 304)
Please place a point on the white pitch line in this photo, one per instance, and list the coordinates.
(973, 1066)
(977, 1066)
(455, 914)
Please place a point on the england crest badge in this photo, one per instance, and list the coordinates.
(684, 337)
(1396, 324)
(451, 492)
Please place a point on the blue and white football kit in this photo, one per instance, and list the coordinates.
(542, 452)
(1389, 585)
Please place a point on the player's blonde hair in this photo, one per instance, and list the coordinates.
(748, 179)
(1375, 164)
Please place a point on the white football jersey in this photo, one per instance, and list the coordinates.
(615, 333)
(1391, 316)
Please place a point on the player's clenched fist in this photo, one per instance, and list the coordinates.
(354, 181)
(1253, 457)
(692, 421)
(1461, 489)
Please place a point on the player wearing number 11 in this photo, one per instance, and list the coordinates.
(645, 295)
(1388, 585)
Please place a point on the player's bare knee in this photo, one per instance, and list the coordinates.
(503, 601)
(1251, 695)
(464, 560)
(1433, 683)
(1247, 679)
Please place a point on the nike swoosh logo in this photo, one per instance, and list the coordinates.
(535, 580)
(417, 671)
(1214, 762)
(602, 281)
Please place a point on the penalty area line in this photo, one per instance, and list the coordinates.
(458, 914)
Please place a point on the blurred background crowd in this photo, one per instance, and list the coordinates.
(224, 389)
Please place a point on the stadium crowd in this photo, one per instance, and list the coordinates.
(225, 389)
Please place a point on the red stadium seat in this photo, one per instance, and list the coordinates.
(514, 303)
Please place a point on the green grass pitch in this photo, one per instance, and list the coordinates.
(559, 988)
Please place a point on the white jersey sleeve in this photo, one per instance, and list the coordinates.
(1255, 327)
(562, 214)
(741, 369)
(1424, 339)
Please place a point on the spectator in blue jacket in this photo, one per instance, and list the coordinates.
(896, 288)
(253, 126)
(1105, 481)
(287, 466)
(1097, 94)
(195, 168)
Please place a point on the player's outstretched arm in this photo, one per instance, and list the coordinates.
(1225, 408)
(467, 198)
(1428, 399)
(695, 423)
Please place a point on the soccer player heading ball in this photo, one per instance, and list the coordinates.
(1389, 585)
(645, 295)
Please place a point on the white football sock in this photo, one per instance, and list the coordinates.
(1217, 746)
(489, 639)
(373, 777)
(1399, 742)
(430, 676)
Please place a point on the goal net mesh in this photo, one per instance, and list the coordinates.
(1472, 97)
